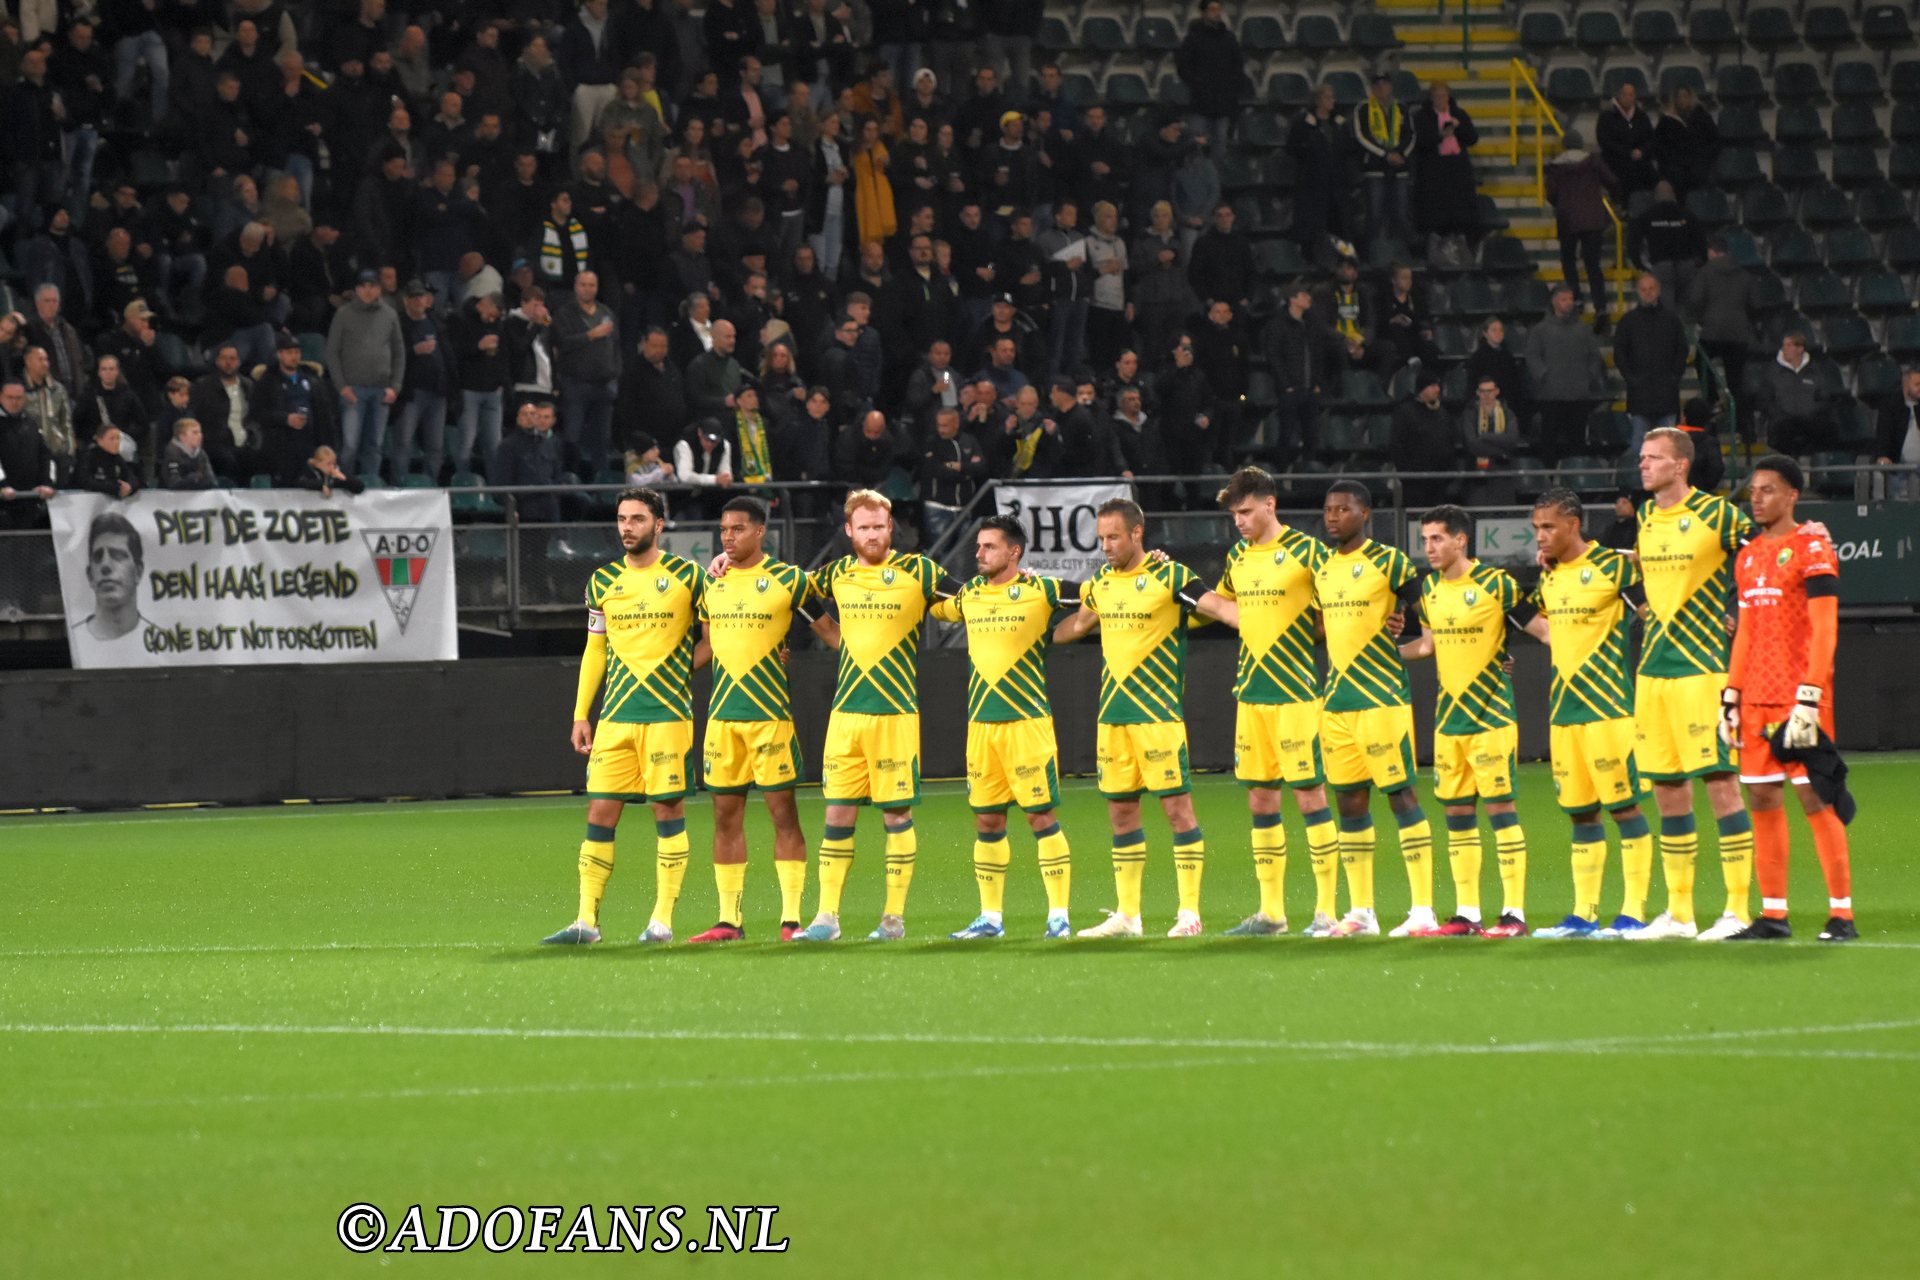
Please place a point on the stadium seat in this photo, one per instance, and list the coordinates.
(1571, 87)
(1771, 28)
(1587, 476)
(1856, 123)
(1349, 86)
(1903, 82)
(1902, 338)
(1740, 126)
(1857, 166)
(469, 504)
(1709, 207)
(1341, 436)
(1906, 122)
(1240, 171)
(413, 480)
(1488, 215)
(1885, 27)
(1903, 164)
(1710, 30)
(1530, 479)
(260, 482)
(1857, 82)
(1453, 341)
(1473, 296)
(1855, 425)
(1876, 378)
(1103, 33)
(1363, 389)
(370, 480)
(1407, 88)
(1279, 172)
(1850, 250)
(1799, 125)
(176, 356)
(1741, 245)
(1608, 430)
(1827, 27)
(1763, 207)
(1373, 34)
(1824, 207)
(1769, 290)
(1598, 31)
(150, 169)
(1820, 292)
(1079, 89)
(1739, 82)
(1262, 34)
(1055, 36)
(1847, 337)
(1127, 90)
(1156, 33)
(1289, 89)
(1797, 167)
(1502, 255)
(1882, 293)
(1880, 207)
(1798, 82)
(1279, 258)
(1262, 130)
(1524, 298)
(1315, 35)
(1619, 73)
(1827, 478)
(1656, 29)
(1676, 75)
(1262, 393)
(1453, 387)
(1544, 30)
(1902, 249)
(1793, 250)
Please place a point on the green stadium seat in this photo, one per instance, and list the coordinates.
(370, 480)
(1677, 75)
(1877, 379)
(259, 482)
(1157, 34)
(1656, 29)
(417, 481)
(1885, 27)
(1903, 82)
(1709, 207)
(1771, 28)
(1798, 82)
(1857, 82)
(1737, 167)
(1710, 30)
(1824, 207)
(1765, 208)
(1598, 31)
(1588, 476)
(467, 503)
(1473, 296)
(1880, 207)
(1850, 250)
(1289, 90)
(1262, 34)
(1795, 167)
(1503, 255)
(1103, 33)
(1902, 249)
(1856, 123)
(1799, 125)
(1857, 166)
(1902, 338)
(1828, 480)
(1315, 35)
(1847, 338)
(1372, 34)
(1739, 82)
(1827, 27)
(1363, 389)
(1544, 31)
(1882, 293)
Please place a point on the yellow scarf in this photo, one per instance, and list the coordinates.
(1494, 424)
(1025, 448)
(1347, 309)
(756, 467)
(1379, 125)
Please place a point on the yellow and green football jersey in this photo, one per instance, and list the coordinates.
(1357, 591)
(1468, 619)
(880, 608)
(648, 617)
(1589, 622)
(748, 613)
(1009, 631)
(1686, 560)
(1279, 624)
(1143, 639)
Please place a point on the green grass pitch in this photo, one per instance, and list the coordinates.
(358, 1013)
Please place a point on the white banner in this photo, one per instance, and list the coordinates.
(254, 576)
(1062, 540)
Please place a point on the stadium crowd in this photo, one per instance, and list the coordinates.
(868, 242)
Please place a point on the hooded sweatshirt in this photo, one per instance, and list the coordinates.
(365, 347)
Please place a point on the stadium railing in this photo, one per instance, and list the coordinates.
(1544, 117)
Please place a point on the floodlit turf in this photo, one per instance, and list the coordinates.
(361, 1014)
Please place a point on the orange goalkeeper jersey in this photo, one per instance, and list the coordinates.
(1788, 590)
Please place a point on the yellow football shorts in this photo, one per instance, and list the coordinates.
(1677, 727)
(1593, 765)
(1275, 744)
(1469, 766)
(1370, 747)
(1142, 757)
(641, 762)
(871, 759)
(1012, 762)
(739, 754)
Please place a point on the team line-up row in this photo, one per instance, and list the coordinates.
(1695, 702)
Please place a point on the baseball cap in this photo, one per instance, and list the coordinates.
(418, 288)
(1004, 297)
(138, 307)
(283, 340)
(367, 277)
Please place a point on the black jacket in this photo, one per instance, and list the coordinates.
(98, 471)
(25, 460)
(1221, 266)
(1298, 353)
(940, 482)
(528, 457)
(477, 370)
(653, 398)
(1650, 351)
(1210, 66)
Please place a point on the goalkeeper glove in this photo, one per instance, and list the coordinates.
(1730, 717)
(1803, 724)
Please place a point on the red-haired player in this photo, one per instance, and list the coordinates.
(1788, 583)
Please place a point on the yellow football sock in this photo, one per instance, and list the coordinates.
(836, 859)
(1323, 851)
(1356, 855)
(1270, 864)
(731, 877)
(669, 866)
(1589, 866)
(901, 847)
(793, 882)
(1463, 859)
(1736, 862)
(1679, 846)
(1189, 865)
(1129, 870)
(1056, 867)
(596, 864)
(1416, 850)
(1510, 847)
(990, 858)
(1636, 864)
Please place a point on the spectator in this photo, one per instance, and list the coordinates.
(1897, 437)
(184, 464)
(952, 465)
(139, 41)
(108, 400)
(980, 409)
(1343, 310)
(1662, 239)
(291, 412)
(319, 277)
(1109, 313)
(174, 400)
(704, 458)
(119, 278)
(1443, 187)
(1623, 532)
(874, 216)
(1317, 141)
(1381, 131)
(1709, 468)
(1494, 359)
(1566, 375)
(1003, 321)
(1125, 375)
(1087, 445)
(529, 334)
(1625, 135)
(100, 468)
(978, 120)
(50, 328)
(423, 400)
(1403, 331)
(1028, 444)
(57, 258)
(236, 313)
(13, 345)
(179, 248)
(643, 465)
(1301, 358)
(323, 475)
(564, 248)
(750, 434)
(1651, 353)
(28, 468)
(1686, 142)
(935, 385)
(35, 148)
(1221, 350)
(135, 345)
(866, 456)
(1221, 264)
(481, 364)
(367, 358)
(1721, 299)
(50, 407)
(1186, 408)
(1142, 451)
(586, 339)
(652, 390)
(1011, 28)
(530, 456)
(1796, 400)
(1163, 298)
(1064, 249)
(1209, 65)
(1489, 430)
(804, 450)
(1420, 440)
(714, 375)
(1577, 183)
